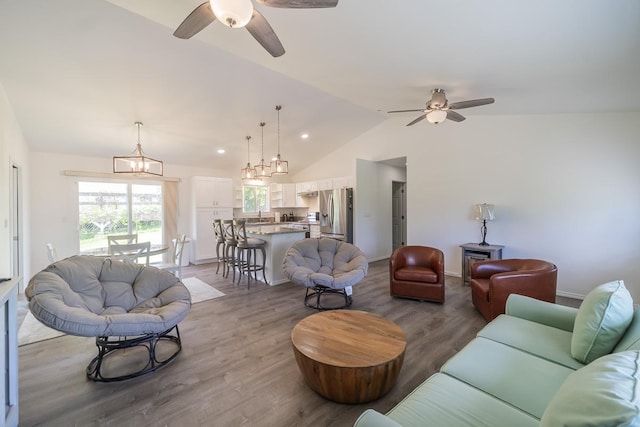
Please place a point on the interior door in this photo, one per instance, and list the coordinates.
(398, 217)
(16, 223)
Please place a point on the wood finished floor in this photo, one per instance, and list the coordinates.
(237, 366)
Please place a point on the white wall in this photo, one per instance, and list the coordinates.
(13, 151)
(566, 189)
(54, 197)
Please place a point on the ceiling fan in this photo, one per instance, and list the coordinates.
(438, 108)
(241, 13)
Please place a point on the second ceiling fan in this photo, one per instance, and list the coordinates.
(438, 108)
(241, 13)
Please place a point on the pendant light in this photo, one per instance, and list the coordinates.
(263, 170)
(136, 163)
(248, 173)
(279, 166)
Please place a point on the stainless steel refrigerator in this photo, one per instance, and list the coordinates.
(336, 214)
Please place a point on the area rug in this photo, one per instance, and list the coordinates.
(200, 291)
(32, 330)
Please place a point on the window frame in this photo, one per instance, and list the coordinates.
(255, 187)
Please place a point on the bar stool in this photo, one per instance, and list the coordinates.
(230, 248)
(220, 242)
(247, 252)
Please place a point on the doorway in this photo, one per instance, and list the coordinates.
(16, 223)
(398, 214)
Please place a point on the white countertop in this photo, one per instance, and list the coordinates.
(274, 229)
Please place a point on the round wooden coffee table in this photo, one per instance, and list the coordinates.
(349, 356)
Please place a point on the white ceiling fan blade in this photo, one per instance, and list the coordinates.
(299, 4)
(471, 103)
(195, 22)
(456, 117)
(417, 120)
(264, 34)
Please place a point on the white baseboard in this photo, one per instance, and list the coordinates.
(570, 295)
(377, 259)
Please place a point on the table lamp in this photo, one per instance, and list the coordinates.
(484, 212)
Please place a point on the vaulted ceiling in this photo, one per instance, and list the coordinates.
(79, 73)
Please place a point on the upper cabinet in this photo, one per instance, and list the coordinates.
(307, 187)
(343, 182)
(283, 195)
(212, 192)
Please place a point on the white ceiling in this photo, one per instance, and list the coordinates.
(79, 73)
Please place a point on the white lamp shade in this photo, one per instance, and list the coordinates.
(484, 212)
(436, 116)
(233, 13)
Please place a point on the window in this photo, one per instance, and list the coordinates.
(118, 208)
(255, 198)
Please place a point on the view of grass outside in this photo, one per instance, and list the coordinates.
(116, 208)
(255, 198)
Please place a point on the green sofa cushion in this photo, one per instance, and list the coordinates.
(525, 381)
(602, 319)
(631, 338)
(444, 401)
(544, 341)
(603, 393)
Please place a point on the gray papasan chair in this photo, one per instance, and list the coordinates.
(325, 266)
(123, 305)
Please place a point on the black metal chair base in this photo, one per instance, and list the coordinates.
(108, 345)
(318, 291)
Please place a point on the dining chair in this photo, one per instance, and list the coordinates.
(52, 253)
(122, 239)
(131, 252)
(175, 264)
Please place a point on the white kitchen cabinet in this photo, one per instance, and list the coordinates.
(203, 239)
(211, 192)
(307, 187)
(343, 182)
(325, 184)
(283, 195)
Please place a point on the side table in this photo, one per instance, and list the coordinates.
(474, 252)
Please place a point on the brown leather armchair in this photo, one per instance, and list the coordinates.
(417, 272)
(493, 281)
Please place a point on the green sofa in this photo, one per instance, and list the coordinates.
(540, 364)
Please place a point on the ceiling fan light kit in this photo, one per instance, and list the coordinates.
(241, 13)
(233, 13)
(137, 163)
(438, 108)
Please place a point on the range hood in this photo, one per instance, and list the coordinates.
(308, 194)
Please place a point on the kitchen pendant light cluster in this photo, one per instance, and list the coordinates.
(262, 170)
(279, 166)
(136, 163)
(248, 173)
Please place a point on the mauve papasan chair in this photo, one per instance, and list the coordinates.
(123, 305)
(325, 266)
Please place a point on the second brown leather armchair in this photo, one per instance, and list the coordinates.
(493, 281)
(417, 272)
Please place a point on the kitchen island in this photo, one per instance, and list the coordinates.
(279, 238)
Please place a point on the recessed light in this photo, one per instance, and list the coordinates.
(221, 151)
(304, 136)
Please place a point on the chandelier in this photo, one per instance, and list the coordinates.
(279, 166)
(136, 163)
(248, 173)
(263, 170)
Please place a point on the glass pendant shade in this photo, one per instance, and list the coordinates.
(263, 170)
(233, 13)
(436, 116)
(248, 173)
(279, 166)
(136, 163)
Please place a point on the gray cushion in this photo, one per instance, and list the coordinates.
(93, 296)
(325, 262)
